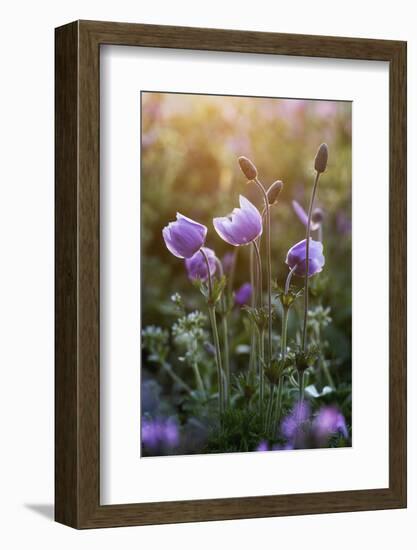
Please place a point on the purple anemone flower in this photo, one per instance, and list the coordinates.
(328, 422)
(242, 226)
(184, 237)
(243, 294)
(303, 217)
(196, 265)
(296, 258)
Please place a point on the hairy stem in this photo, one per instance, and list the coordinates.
(277, 415)
(261, 335)
(252, 357)
(308, 229)
(176, 378)
(212, 315)
(268, 268)
(225, 339)
(231, 277)
(198, 378)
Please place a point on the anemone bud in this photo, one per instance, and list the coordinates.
(248, 168)
(317, 216)
(274, 191)
(320, 162)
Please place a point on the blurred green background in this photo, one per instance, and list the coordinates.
(190, 146)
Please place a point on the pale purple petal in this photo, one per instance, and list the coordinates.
(222, 226)
(242, 226)
(303, 217)
(184, 237)
(196, 265)
(296, 258)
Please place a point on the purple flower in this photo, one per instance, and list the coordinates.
(160, 433)
(171, 436)
(344, 225)
(228, 261)
(196, 265)
(263, 446)
(303, 217)
(328, 422)
(296, 258)
(291, 423)
(243, 294)
(242, 226)
(150, 433)
(184, 237)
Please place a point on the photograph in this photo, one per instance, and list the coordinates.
(246, 287)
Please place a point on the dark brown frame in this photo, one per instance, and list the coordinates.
(77, 274)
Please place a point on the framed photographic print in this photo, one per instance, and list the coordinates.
(230, 274)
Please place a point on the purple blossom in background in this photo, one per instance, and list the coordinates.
(263, 446)
(160, 433)
(196, 265)
(150, 433)
(184, 237)
(227, 262)
(343, 223)
(328, 422)
(296, 258)
(242, 226)
(243, 294)
(292, 424)
(171, 433)
(326, 109)
(303, 217)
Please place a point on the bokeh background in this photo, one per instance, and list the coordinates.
(190, 147)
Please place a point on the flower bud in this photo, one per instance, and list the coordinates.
(274, 191)
(320, 162)
(317, 216)
(248, 168)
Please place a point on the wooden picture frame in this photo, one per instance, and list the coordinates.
(77, 405)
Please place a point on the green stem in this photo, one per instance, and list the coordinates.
(231, 277)
(308, 229)
(270, 408)
(225, 339)
(284, 333)
(277, 415)
(268, 268)
(198, 378)
(288, 280)
(323, 363)
(260, 332)
(212, 315)
(176, 378)
(301, 386)
(261, 371)
(259, 270)
(252, 357)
